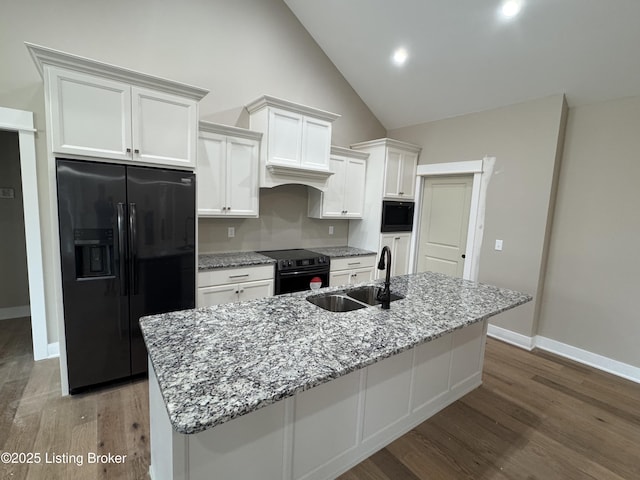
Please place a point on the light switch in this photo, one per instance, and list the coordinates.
(499, 245)
(231, 232)
(330, 229)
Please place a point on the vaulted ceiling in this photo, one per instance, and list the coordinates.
(465, 56)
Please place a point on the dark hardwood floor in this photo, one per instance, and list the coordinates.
(536, 416)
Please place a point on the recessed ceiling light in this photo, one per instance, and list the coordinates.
(511, 8)
(400, 56)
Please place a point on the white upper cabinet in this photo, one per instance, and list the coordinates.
(164, 128)
(89, 115)
(285, 138)
(227, 174)
(400, 174)
(296, 142)
(344, 195)
(316, 144)
(101, 111)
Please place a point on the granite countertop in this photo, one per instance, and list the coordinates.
(209, 261)
(217, 363)
(339, 252)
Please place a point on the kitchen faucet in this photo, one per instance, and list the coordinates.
(385, 295)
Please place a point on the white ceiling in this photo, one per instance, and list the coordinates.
(464, 57)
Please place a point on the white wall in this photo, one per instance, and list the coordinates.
(238, 49)
(592, 284)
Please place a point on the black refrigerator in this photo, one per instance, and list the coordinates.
(127, 244)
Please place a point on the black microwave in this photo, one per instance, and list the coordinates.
(397, 216)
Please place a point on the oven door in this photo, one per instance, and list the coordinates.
(300, 280)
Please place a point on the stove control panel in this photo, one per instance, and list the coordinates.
(304, 263)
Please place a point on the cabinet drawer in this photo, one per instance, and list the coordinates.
(350, 263)
(221, 276)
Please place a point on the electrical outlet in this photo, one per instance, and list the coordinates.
(231, 232)
(499, 245)
(330, 229)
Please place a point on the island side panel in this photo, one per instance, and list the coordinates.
(250, 446)
(168, 448)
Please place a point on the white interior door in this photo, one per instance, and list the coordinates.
(444, 224)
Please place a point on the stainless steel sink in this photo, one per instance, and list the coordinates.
(335, 302)
(369, 294)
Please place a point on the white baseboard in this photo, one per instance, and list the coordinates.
(15, 312)
(594, 360)
(53, 350)
(579, 355)
(513, 338)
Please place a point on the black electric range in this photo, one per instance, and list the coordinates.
(299, 269)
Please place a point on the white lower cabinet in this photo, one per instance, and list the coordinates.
(322, 432)
(351, 270)
(234, 285)
(400, 245)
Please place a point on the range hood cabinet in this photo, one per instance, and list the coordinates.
(296, 142)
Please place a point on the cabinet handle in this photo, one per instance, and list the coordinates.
(400, 193)
(354, 263)
(136, 151)
(396, 238)
(242, 290)
(128, 150)
(239, 276)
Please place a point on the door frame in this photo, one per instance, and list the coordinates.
(21, 121)
(481, 171)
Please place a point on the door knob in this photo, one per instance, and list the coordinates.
(463, 256)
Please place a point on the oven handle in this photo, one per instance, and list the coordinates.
(315, 271)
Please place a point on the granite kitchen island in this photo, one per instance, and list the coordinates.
(279, 388)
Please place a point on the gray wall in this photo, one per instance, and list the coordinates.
(524, 138)
(592, 284)
(14, 286)
(238, 49)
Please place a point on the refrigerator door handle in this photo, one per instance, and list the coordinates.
(122, 250)
(133, 247)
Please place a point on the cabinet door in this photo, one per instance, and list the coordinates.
(285, 138)
(408, 175)
(354, 188)
(399, 243)
(333, 198)
(164, 128)
(242, 177)
(252, 290)
(341, 277)
(90, 116)
(211, 174)
(401, 254)
(316, 144)
(362, 275)
(392, 167)
(217, 295)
